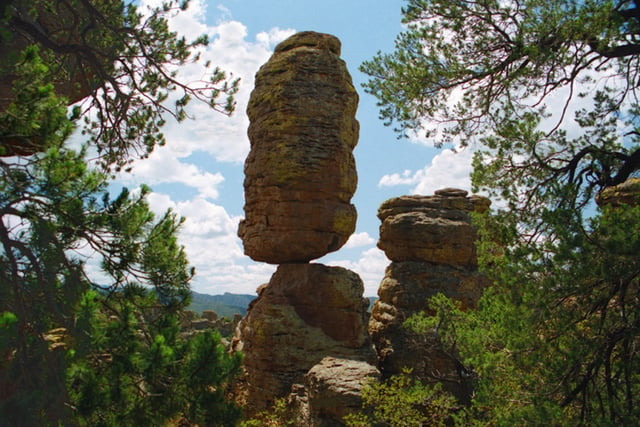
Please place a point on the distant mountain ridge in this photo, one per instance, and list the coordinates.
(228, 304)
(225, 305)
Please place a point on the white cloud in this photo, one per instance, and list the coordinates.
(406, 178)
(164, 166)
(359, 239)
(209, 237)
(209, 231)
(223, 137)
(447, 169)
(370, 266)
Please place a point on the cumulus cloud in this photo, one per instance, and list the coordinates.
(164, 166)
(447, 169)
(209, 232)
(359, 239)
(407, 177)
(209, 237)
(370, 265)
(209, 131)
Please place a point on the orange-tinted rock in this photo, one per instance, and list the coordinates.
(626, 193)
(435, 229)
(300, 173)
(431, 242)
(332, 389)
(403, 292)
(306, 312)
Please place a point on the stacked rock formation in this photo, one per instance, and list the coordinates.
(431, 243)
(300, 177)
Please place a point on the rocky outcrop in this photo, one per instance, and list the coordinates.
(332, 389)
(435, 229)
(300, 173)
(190, 322)
(431, 242)
(305, 313)
(299, 179)
(626, 193)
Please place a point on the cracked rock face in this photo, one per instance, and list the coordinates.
(300, 174)
(626, 193)
(435, 229)
(431, 242)
(306, 312)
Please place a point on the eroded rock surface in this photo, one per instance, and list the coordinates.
(300, 174)
(332, 389)
(626, 193)
(305, 313)
(435, 229)
(431, 242)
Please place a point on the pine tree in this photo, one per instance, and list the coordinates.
(92, 286)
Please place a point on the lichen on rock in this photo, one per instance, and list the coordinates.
(300, 174)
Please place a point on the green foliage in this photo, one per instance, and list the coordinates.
(141, 371)
(482, 71)
(554, 340)
(91, 288)
(124, 59)
(403, 401)
(277, 416)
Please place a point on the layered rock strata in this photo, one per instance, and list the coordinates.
(431, 242)
(299, 179)
(300, 174)
(305, 313)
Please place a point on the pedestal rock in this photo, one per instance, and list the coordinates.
(305, 313)
(300, 172)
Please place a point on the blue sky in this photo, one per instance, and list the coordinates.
(199, 173)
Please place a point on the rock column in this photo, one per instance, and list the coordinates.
(431, 243)
(299, 179)
(300, 174)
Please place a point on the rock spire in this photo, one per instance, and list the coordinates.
(300, 174)
(431, 243)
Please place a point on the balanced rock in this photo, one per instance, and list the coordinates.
(306, 312)
(435, 229)
(300, 174)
